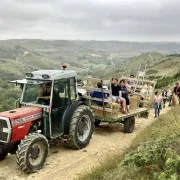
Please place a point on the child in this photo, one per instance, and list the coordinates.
(157, 104)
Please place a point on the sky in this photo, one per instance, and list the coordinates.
(123, 20)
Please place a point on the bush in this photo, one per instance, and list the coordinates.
(152, 72)
(154, 154)
(9, 94)
(166, 80)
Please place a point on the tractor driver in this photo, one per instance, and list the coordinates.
(45, 93)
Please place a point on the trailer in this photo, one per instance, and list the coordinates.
(108, 111)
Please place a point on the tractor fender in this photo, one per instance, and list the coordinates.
(69, 113)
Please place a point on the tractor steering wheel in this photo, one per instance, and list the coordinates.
(44, 100)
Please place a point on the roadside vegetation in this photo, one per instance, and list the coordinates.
(166, 80)
(153, 155)
(9, 94)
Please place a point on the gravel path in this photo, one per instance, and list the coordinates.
(67, 164)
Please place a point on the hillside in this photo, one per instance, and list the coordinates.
(16, 60)
(120, 46)
(97, 58)
(158, 65)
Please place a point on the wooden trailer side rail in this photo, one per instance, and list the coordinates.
(121, 117)
(103, 100)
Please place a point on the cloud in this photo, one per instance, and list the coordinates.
(135, 20)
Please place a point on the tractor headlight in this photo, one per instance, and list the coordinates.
(45, 76)
(29, 74)
(5, 130)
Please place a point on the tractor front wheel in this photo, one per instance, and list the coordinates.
(32, 152)
(81, 128)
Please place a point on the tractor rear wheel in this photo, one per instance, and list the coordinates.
(32, 152)
(129, 125)
(81, 128)
(3, 153)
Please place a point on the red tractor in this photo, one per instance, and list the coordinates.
(48, 109)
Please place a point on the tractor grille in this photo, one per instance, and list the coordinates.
(4, 130)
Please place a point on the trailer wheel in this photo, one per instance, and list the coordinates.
(129, 125)
(81, 128)
(32, 152)
(3, 153)
(97, 122)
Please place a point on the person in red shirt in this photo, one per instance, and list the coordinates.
(177, 91)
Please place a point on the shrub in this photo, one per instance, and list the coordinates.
(153, 155)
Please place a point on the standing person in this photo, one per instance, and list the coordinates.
(149, 89)
(164, 96)
(132, 82)
(170, 94)
(157, 104)
(177, 91)
(116, 96)
(124, 93)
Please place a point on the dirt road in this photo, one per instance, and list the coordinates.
(66, 164)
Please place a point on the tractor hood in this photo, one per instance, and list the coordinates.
(22, 115)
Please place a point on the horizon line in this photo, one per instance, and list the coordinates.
(90, 40)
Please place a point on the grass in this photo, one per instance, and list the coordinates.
(154, 154)
(165, 81)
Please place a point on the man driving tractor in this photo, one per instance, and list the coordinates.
(45, 93)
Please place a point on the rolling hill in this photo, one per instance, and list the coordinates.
(158, 66)
(96, 58)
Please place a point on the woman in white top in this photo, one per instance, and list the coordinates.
(157, 104)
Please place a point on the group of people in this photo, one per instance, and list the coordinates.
(120, 91)
(120, 94)
(162, 98)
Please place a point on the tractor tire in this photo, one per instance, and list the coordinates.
(97, 122)
(3, 153)
(81, 128)
(32, 152)
(129, 125)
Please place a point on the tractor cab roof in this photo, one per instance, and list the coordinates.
(51, 74)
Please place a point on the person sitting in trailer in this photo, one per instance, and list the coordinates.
(97, 94)
(116, 96)
(147, 89)
(128, 85)
(124, 91)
